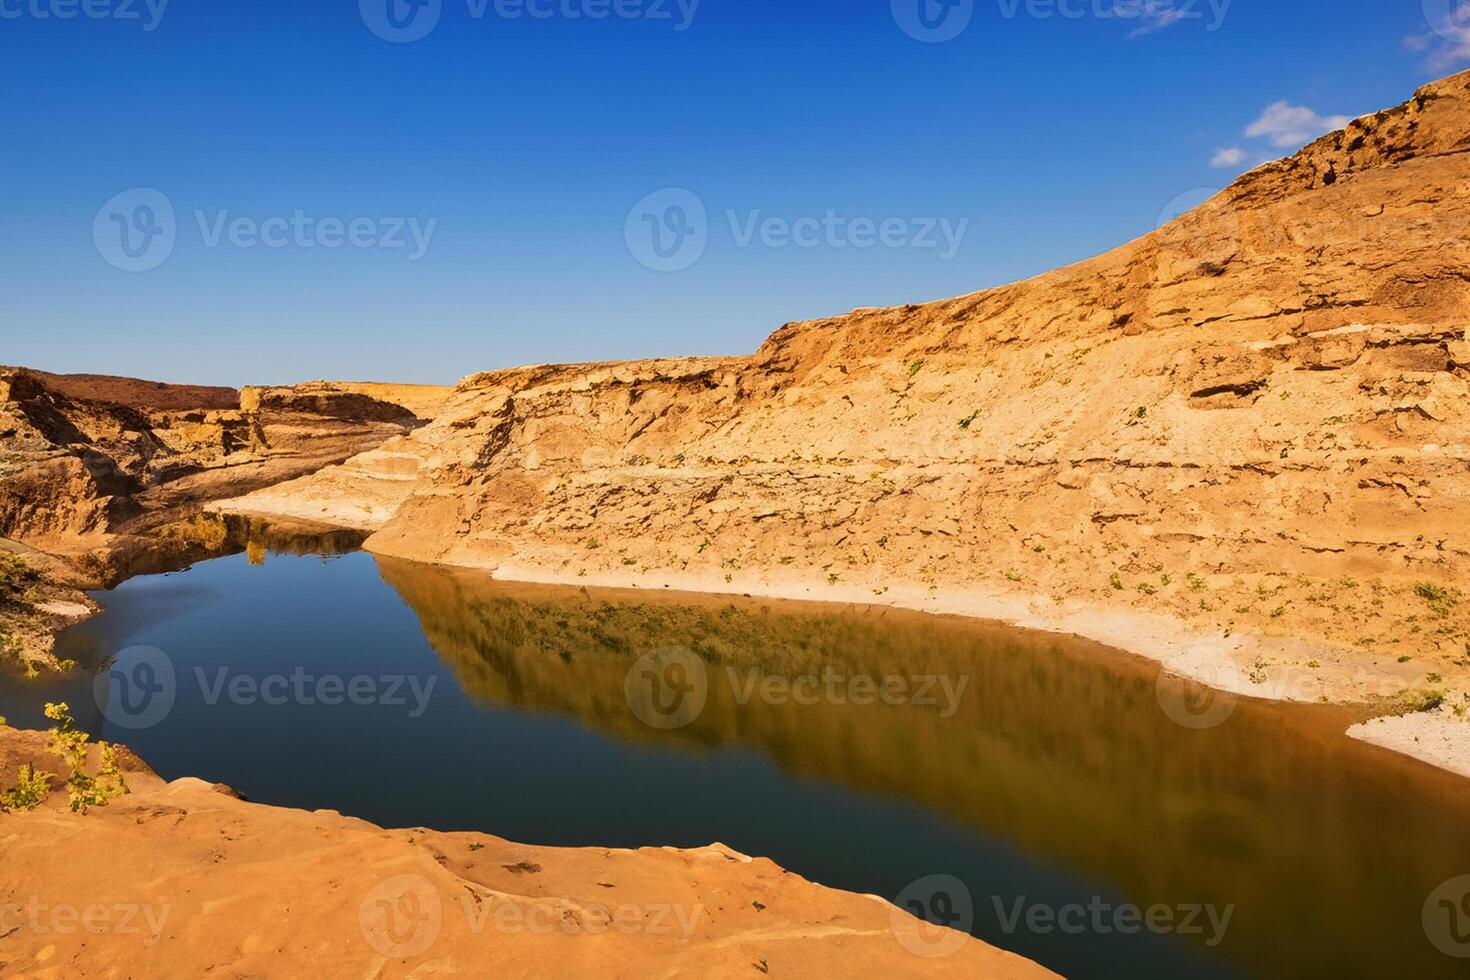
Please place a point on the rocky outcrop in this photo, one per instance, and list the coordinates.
(1249, 422)
(175, 876)
(93, 490)
(358, 401)
(82, 474)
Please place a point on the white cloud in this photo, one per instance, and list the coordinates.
(1448, 40)
(1232, 156)
(1156, 18)
(1287, 125)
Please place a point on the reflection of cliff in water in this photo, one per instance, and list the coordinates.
(1058, 746)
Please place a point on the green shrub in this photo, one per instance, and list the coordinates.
(70, 743)
(29, 793)
(15, 576)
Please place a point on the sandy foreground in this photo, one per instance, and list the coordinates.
(183, 879)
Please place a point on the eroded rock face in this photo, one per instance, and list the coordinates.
(1221, 419)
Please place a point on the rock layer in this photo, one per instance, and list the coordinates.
(1250, 421)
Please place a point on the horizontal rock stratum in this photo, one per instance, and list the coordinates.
(1246, 428)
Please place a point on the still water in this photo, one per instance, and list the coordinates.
(1039, 772)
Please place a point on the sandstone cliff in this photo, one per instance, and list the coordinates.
(1247, 424)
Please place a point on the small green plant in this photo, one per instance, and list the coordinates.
(915, 368)
(1012, 577)
(1433, 678)
(1423, 700)
(1145, 588)
(593, 543)
(883, 541)
(1196, 584)
(1278, 612)
(1116, 581)
(29, 793)
(1314, 664)
(785, 559)
(969, 420)
(831, 578)
(1440, 599)
(1140, 412)
(70, 743)
(15, 576)
(1405, 659)
(1038, 549)
(703, 545)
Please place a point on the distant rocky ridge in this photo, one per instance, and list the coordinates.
(101, 477)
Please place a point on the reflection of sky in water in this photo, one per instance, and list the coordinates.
(1057, 779)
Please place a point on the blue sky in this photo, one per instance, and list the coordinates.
(414, 210)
